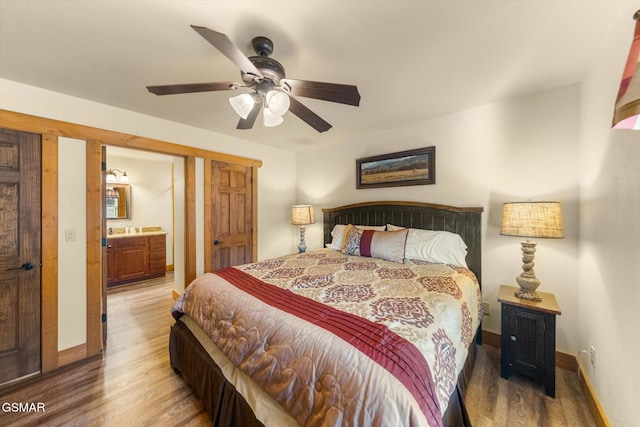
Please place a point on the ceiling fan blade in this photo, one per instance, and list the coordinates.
(191, 87)
(227, 48)
(251, 118)
(334, 92)
(308, 116)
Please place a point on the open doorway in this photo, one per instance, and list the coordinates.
(144, 199)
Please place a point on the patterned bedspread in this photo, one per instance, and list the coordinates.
(338, 339)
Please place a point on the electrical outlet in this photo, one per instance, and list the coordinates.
(592, 353)
(486, 308)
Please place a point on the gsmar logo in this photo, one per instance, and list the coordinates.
(23, 407)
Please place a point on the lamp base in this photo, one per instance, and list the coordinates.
(528, 281)
(303, 246)
(528, 295)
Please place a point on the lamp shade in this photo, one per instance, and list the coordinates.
(242, 104)
(532, 219)
(270, 119)
(277, 102)
(302, 215)
(627, 109)
(111, 176)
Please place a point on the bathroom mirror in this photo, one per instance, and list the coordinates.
(118, 201)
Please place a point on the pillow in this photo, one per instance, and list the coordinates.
(442, 247)
(337, 234)
(387, 245)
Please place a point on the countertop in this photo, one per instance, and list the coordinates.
(141, 234)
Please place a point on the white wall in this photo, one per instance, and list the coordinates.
(276, 178)
(518, 149)
(72, 217)
(179, 224)
(610, 231)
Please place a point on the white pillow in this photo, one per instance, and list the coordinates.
(442, 247)
(337, 234)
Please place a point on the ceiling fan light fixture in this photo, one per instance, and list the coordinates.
(242, 104)
(270, 119)
(277, 102)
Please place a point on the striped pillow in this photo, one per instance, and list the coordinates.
(388, 245)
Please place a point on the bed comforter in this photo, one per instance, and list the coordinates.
(343, 340)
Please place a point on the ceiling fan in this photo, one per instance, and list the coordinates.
(273, 93)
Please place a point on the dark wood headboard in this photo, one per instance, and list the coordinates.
(464, 221)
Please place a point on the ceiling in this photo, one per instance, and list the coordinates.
(410, 59)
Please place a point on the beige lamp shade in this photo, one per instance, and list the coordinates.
(627, 109)
(532, 219)
(302, 215)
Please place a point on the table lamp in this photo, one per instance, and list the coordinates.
(531, 219)
(302, 215)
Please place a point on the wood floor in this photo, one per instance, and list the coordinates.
(133, 385)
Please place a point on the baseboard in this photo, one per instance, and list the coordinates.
(595, 408)
(491, 339)
(170, 267)
(72, 354)
(570, 363)
(175, 294)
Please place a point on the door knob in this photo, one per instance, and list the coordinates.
(26, 267)
(216, 242)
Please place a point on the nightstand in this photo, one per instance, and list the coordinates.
(528, 338)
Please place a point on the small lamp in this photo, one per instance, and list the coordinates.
(531, 219)
(302, 215)
(626, 114)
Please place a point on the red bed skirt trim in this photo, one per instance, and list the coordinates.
(395, 354)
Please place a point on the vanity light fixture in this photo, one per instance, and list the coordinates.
(113, 177)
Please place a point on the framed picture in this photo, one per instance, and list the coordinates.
(412, 167)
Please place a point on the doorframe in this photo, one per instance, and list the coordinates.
(95, 137)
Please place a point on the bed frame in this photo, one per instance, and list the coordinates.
(228, 408)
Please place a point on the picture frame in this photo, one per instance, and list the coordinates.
(411, 167)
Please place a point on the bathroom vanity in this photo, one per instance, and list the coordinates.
(134, 257)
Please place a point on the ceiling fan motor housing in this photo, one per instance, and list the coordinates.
(269, 67)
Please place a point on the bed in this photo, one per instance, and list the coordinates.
(355, 360)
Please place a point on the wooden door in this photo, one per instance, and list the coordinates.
(20, 188)
(231, 215)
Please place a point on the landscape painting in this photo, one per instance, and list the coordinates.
(412, 167)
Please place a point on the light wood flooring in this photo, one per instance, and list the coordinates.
(133, 384)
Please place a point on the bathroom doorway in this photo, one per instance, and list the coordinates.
(142, 228)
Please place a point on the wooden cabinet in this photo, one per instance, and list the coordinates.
(157, 255)
(528, 338)
(134, 258)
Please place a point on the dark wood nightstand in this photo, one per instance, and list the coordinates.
(528, 338)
